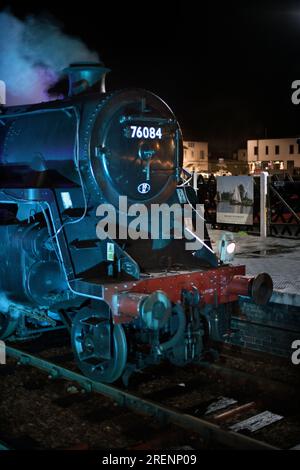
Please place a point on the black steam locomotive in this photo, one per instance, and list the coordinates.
(126, 303)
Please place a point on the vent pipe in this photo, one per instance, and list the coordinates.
(86, 77)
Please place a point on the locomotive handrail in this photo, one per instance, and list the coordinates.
(36, 111)
(146, 119)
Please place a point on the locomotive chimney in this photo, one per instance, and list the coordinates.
(85, 77)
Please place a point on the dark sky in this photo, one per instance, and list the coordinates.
(225, 70)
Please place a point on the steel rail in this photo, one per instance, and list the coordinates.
(205, 429)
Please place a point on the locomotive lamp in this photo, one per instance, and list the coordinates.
(227, 247)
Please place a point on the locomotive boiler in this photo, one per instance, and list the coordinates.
(125, 303)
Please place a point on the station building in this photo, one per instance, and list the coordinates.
(274, 155)
(195, 156)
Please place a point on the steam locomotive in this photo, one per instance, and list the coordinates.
(125, 303)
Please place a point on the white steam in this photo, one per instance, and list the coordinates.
(33, 52)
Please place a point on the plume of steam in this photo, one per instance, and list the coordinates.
(33, 52)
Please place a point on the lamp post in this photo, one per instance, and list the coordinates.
(263, 204)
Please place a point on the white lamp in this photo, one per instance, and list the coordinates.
(227, 247)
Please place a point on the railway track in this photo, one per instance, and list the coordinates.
(221, 426)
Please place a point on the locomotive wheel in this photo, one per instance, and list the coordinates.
(8, 324)
(100, 349)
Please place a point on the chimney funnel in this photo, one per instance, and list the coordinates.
(84, 76)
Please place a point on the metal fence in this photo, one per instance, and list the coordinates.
(283, 206)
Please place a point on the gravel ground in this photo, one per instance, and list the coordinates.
(48, 414)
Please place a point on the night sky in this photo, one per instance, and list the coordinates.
(225, 71)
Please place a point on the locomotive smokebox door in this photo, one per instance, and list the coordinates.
(136, 148)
